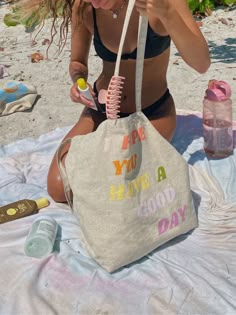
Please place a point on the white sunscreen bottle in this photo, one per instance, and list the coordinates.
(41, 238)
(84, 90)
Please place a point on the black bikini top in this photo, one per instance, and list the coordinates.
(155, 45)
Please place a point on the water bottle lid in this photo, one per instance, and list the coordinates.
(218, 90)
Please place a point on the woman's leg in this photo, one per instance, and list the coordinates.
(88, 122)
(164, 118)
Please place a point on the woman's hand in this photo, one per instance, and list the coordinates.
(77, 97)
(152, 8)
(141, 6)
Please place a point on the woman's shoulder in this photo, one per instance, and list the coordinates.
(87, 16)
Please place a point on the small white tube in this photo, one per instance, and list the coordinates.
(84, 90)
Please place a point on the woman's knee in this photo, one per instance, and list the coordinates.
(55, 185)
(88, 122)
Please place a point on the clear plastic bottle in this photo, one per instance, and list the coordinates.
(217, 120)
(41, 238)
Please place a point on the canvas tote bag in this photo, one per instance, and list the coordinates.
(131, 190)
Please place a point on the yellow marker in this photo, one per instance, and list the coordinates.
(84, 90)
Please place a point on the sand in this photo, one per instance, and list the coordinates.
(51, 78)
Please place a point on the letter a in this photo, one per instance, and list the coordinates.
(161, 173)
(174, 220)
(163, 226)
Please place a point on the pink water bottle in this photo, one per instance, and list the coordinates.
(217, 120)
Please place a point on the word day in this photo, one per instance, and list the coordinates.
(176, 218)
(130, 188)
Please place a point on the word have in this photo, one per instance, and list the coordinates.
(133, 137)
(122, 191)
(176, 218)
(160, 200)
(130, 188)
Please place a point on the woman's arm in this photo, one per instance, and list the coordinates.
(80, 46)
(178, 22)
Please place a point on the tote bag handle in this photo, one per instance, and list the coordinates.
(143, 26)
(142, 34)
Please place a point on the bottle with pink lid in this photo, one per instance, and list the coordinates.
(217, 120)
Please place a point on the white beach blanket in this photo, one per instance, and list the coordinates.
(193, 274)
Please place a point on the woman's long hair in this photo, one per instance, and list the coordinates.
(37, 11)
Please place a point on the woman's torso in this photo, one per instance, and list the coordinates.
(155, 68)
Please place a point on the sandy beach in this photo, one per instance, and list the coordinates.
(51, 78)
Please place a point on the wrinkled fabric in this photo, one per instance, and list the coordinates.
(16, 97)
(192, 274)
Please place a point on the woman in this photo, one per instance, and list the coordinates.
(102, 22)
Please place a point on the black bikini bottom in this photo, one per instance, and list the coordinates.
(154, 110)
